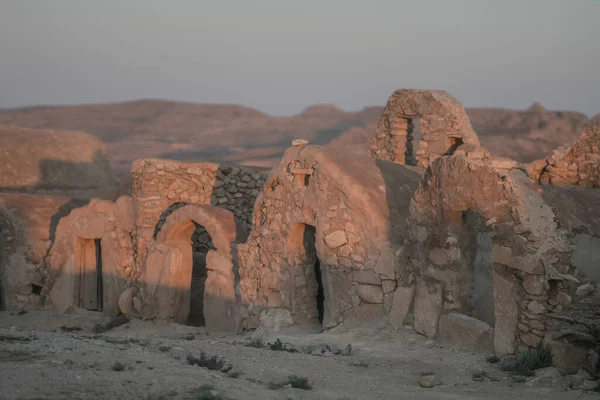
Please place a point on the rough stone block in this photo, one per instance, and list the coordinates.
(428, 307)
(370, 293)
(335, 239)
(403, 297)
(566, 357)
(506, 311)
(464, 332)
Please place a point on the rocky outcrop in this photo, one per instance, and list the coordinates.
(54, 162)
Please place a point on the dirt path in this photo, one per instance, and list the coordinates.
(39, 360)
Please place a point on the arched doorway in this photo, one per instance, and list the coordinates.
(188, 273)
(307, 292)
(202, 243)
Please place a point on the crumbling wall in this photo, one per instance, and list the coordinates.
(162, 186)
(321, 204)
(27, 229)
(526, 248)
(572, 324)
(576, 165)
(113, 224)
(444, 126)
(164, 287)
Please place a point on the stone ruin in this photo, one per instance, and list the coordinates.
(576, 165)
(441, 119)
(479, 253)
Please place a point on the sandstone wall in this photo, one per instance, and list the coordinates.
(162, 186)
(164, 286)
(528, 261)
(320, 204)
(443, 124)
(576, 165)
(27, 229)
(113, 224)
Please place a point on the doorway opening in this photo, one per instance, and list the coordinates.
(481, 267)
(413, 141)
(201, 245)
(308, 298)
(90, 275)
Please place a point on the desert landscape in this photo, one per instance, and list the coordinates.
(240, 135)
(162, 250)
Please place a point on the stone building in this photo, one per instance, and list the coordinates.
(417, 126)
(492, 257)
(27, 230)
(325, 232)
(479, 253)
(44, 174)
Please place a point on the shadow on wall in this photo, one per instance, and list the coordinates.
(401, 183)
(62, 212)
(59, 177)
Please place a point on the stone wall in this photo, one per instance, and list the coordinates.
(163, 290)
(320, 203)
(27, 229)
(443, 124)
(529, 255)
(112, 223)
(161, 186)
(576, 165)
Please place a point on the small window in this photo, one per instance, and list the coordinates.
(36, 289)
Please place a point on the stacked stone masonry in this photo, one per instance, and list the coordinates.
(470, 251)
(325, 205)
(444, 126)
(576, 165)
(162, 186)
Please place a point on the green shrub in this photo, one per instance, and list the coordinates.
(213, 363)
(529, 361)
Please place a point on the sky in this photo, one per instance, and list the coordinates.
(280, 56)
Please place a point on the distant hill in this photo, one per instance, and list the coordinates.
(241, 135)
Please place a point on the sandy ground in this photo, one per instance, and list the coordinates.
(39, 360)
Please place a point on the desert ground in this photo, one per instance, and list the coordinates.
(44, 355)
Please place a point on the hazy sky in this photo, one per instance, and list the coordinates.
(282, 55)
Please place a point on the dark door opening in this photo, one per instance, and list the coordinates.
(413, 140)
(308, 292)
(100, 283)
(481, 267)
(201, 245)
(90, 282)
(320, 291)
